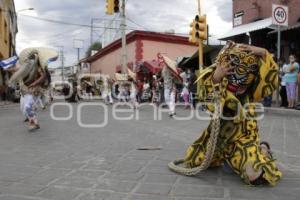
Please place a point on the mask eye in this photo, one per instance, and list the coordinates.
(234, 59)
(253, 68)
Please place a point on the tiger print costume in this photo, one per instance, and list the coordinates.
(238, 141)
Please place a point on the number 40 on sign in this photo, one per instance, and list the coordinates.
(280, 15)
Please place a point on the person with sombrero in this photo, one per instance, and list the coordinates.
(133, 88)
(32, 75)
(170, 76)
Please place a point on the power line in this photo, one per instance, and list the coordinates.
(136, 23)
(87, 26)
(64, 23)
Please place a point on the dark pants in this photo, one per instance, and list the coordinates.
(193, 99)
(267, 101)
(282, 92)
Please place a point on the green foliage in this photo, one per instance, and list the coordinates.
(95, 46)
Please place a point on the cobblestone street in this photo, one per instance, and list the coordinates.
(63, 161)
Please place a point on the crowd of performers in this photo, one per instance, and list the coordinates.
(168, 87)
(241, 75)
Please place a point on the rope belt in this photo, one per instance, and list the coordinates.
(211, 145)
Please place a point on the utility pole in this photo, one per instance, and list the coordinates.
(77, 44)
(200, 42)
(61, 52)
(123, 26)
(92, 29)
(278, 59)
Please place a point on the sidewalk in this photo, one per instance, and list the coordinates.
(8, 103)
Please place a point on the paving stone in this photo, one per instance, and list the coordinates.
(159, 178)
(87, 174)
(21, 189)
(55, 193)
(12, 177)
(204, 180)
(67, 164)
(45, 177)
(198, 191)
(76, 182)
(103, 195)
(253, 192)
(159, 162)
(116, 186)
(285, 193)
(26, 170)
(15, 197)
(5, 183)
(127, 168)
(149, 197)
(156, 169)
(124, 176)
(202, 198)
(158, 189)
(63, 161)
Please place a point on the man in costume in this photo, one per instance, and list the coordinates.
(240, 76)
(32, 75)
(171, 77)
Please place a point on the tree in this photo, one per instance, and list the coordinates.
(96, 46)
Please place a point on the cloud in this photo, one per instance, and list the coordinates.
(154, 15)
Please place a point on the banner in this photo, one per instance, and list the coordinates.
(7, 63)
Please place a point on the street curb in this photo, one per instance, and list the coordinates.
(8, 105)
(282, 111)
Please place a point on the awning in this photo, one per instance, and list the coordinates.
(254, 26)
(193, 61)
(153, 66)
(293, 27)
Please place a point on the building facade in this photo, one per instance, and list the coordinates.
(252, 24)
(8, 28)
(142, 46)
(245, 12)
(8, 31)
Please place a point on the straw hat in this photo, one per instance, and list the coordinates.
(171, 66)
(121, 77)
(131, 74)
(45, 55)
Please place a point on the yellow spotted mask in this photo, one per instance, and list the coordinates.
(252, 75)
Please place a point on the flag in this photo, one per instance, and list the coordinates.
(7, 63)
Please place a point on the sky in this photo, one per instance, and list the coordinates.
(150, 15)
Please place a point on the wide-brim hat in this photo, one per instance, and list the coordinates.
(171, 66)
(121, 77)
(131, 74)
(45, 55)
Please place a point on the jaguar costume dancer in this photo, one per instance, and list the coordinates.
(240, 76)
(32, 75)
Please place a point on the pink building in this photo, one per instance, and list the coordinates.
(142, 46)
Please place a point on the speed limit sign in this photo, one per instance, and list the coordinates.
(280, 15)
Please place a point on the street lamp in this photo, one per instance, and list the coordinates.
(18, 11)
(25, 9)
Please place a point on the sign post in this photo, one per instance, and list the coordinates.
(200, 42)
(279, 18)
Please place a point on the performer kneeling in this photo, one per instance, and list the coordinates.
(240, 76)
